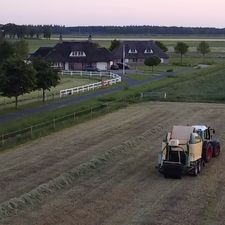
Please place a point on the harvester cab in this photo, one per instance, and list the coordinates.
(185, 150)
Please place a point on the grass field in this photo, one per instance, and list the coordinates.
(65, 82)
(185, 86)
(217, 44)
(189, 84)
(103, 172)
(208, 86)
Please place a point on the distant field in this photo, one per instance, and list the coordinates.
(34, 44)
(217, 44)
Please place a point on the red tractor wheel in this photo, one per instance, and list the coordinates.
(209, 152)
(216, 150)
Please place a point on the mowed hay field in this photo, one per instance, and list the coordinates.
(102, 172)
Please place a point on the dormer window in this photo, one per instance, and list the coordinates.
(133, 51)
(148, 51)
(77, 54)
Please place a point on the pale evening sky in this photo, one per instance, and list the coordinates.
(205, 13)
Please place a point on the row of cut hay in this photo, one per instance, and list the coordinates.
(35, 196)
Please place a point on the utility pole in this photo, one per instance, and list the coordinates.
(123, 58)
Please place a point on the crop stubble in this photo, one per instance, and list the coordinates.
(125, 188)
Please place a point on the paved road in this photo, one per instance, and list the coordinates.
(76, 99)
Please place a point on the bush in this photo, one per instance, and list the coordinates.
(125, 86)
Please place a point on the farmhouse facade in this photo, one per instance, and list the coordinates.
(134, 52)
(76, 56)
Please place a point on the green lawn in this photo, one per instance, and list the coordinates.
(157, 69)
(66, 82)
(201, 85)
(206, 85)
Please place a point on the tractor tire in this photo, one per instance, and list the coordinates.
(208, 151)
(195, 170)
(199, 167)
(216, 149)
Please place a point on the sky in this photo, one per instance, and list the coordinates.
(192, 13)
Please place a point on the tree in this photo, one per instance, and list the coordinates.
(47, 77)
(152, 61)
(47, 32)
(2, 34)
(21, 49)
(6, 51)
(161, 45)
(114, 44)
(203, 48)
(182, 49)
(16, 78)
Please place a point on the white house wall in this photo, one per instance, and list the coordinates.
(102, 65)
(66, 66)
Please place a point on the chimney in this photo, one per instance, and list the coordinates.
(90, 38)
(60, 38)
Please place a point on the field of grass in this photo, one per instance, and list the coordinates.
(157, 69)
(217, 44)
(198, 86)
(181, 87)
(34, 44)
(188, 83)
(205, 86)
(66, 82)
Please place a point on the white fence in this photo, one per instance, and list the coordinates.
(113, 79)
(154, 94)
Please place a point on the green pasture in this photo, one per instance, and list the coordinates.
(205, 86)
(188, 83)
(217, 44)
(193, 85)
(65, 83)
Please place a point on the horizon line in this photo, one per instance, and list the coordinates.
(131, 25)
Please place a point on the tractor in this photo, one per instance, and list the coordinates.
(186, 149)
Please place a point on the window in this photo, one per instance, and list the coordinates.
(133, 51)
(135, 60)
(57, 64)
(71, 66)
(207, 134)
(197, 139)
(77, 54)
(148, 51)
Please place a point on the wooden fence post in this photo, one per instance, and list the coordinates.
(2, 139)
(165, 96)
(91, 113)
(74, 116)
(31, 131)
(54, 123)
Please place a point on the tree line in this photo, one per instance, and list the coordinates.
(142, 30)
(19, 76)
(35, 31)
(14, 31)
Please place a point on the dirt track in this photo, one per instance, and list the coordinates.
(126, 189)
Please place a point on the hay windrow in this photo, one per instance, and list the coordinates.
(28, 200)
